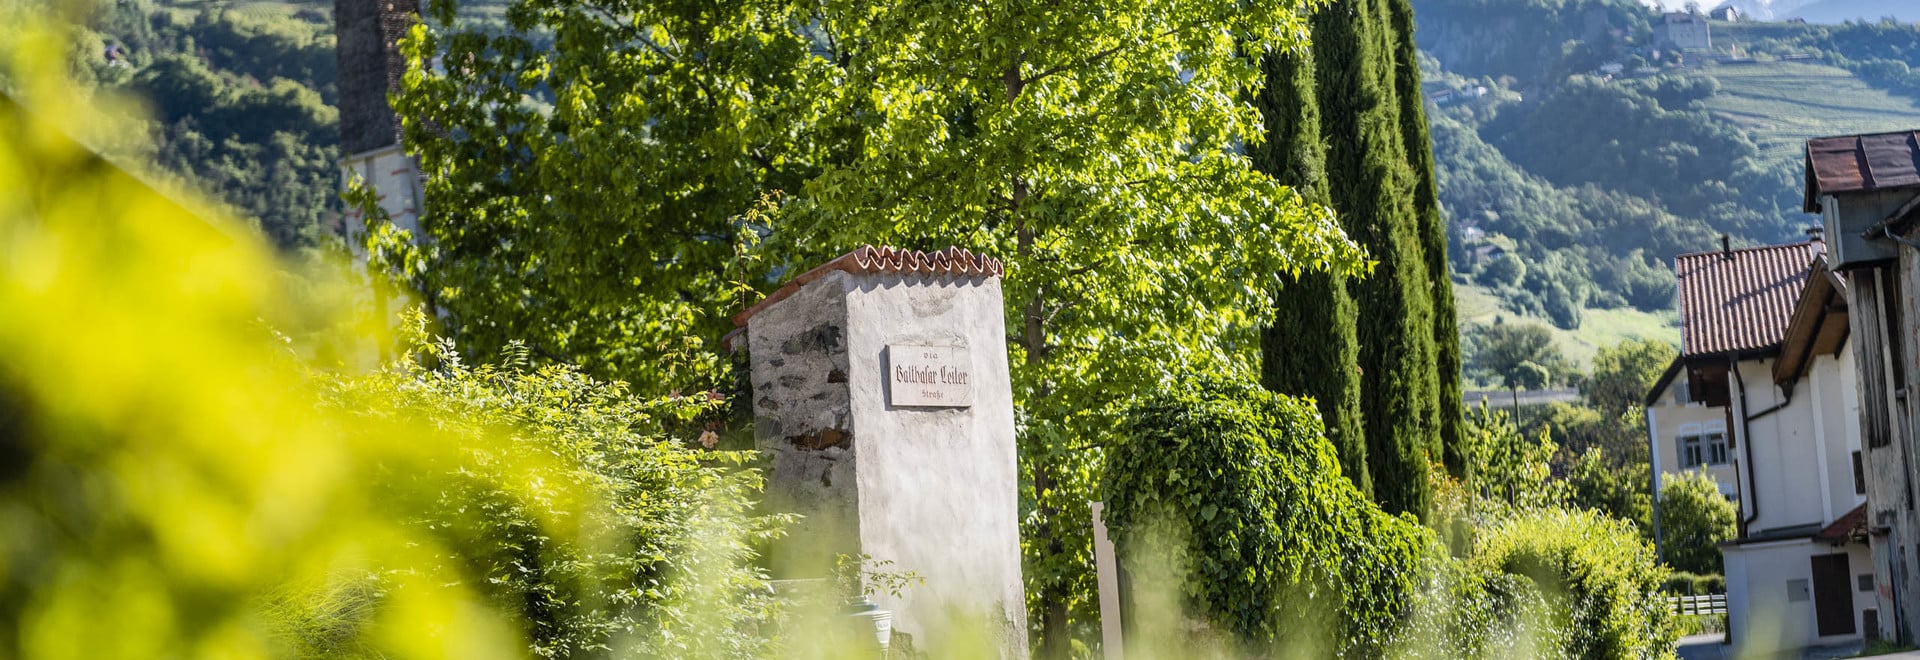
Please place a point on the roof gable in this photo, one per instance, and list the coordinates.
(1861, 163)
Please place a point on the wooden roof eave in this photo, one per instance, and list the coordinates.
(1819, 325)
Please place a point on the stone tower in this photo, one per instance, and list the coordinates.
(368, 33)
(881, 392)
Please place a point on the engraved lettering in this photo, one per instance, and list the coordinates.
(930, 376)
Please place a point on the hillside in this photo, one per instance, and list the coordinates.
(1601, 327)
(1781, 104)
(1577, 155)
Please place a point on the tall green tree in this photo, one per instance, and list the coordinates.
(1433, 239)
(1310, 349)
(590, 164)
(1371, 187)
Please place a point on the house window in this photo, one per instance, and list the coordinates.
(1701, 446)
(1866, 581)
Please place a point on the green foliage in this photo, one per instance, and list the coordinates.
(1666, 160)
(1432, 224)
(1557, 38)
(592, 163)
(1689, 584)
(1693, 162)
(1599, 578)
(1600, 482)
(1372, 187)
(242, 109)
(1623, 373)
(1229, 491)
(1516, 355)
(173, 467)
(1694, 519)
(1504, 270)
(1604, 248)
(1510, 470)
(176, 467)
(1238, 493)
(668, 530)
(1310, 349)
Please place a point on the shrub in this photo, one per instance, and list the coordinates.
(1235, 491)
(164, 465)
(1709, 584)
(648, 554)
(1694, 519)
(1599, 579)
(1467, 611)
(1680, 583)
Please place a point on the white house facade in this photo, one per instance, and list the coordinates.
(1762, 400)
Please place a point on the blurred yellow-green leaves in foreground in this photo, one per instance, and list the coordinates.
(176, 482)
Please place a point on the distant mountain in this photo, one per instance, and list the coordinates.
(1840, 11)
(1761, 10)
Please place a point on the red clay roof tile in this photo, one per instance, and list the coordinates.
(951, 262)
(1742, 299)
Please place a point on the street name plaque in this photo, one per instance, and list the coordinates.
(929, 376)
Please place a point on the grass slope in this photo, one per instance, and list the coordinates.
(1598, 327)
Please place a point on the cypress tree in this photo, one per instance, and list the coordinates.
(1433, 239)
(1371, 187)
(1310, 349)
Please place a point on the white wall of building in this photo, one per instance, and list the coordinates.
(1838, 406)
(1770, 600)
(1673, 417)
(1796, 465)
(395, 180)
(1801, 469)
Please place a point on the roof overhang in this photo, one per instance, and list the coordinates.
(1819, 324)
(1860, 163)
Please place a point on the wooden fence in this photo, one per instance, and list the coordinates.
(1708, 604)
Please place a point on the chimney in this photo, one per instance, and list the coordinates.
(1726, 246)
(1816, 234)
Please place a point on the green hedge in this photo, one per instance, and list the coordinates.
(1229, 497)
(1239, 494)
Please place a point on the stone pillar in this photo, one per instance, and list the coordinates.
(881, 392)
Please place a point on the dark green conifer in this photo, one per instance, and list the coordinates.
(1433, 238)
(1310, 349)
(1371, 186)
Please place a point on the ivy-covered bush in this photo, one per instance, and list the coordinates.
(1597, 576)
(1235, 492)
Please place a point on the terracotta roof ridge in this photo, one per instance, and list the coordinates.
(1752, 248)
(953, 262)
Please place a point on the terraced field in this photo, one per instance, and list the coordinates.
(1784, 103)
